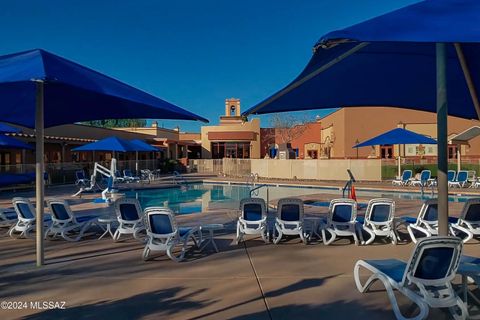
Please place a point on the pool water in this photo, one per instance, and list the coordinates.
(199, 197)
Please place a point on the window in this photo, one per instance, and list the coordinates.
(230, 150)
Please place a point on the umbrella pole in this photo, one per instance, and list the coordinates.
(136, 163)
(459, 158)
(399, 165)
(442, 114)
(39, 171)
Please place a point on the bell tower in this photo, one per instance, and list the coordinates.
(232, 107)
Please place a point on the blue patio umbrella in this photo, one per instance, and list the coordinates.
(39, 89)
(114, 144)
(12, 143)
(5, 128)
(408, 58)
(144, 145)
(397, 136)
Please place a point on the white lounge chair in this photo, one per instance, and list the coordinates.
(425, 279)
(427, 222)
(470, 268)
(130, 218)
(163, 234)
(8, 218)
(64, 222)
(424, 180)
(404, 179)
(118, 177)
(451, 177)
(379, 220)
(81, 179)
(469, 218)
(341, 220)
(460, 181)
(129, 177)
(252, 219)
(26, 218)
(289, 219)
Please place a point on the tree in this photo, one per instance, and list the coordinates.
(287, 127)
(117, 123)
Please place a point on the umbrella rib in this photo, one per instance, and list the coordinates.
(311, 75)
(468, 78)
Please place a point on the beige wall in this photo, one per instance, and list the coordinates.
(362, 169)
(156, 132)
(253, 125)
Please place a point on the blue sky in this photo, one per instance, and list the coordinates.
(192, 53)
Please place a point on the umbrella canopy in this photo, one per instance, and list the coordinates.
(5, 128)
(397, 136)
(72, 93)
(390, 60)
(12, 143)
(110, 144)
(143, 145)
(421, 57)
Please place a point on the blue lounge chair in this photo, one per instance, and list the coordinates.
(65, 223)
(469, 219)
(81, 179)
(460, 181)
(425, 179)
(8, 218)
(379, 220)
(451, 175)
(26, 218)
(129, 177)
(427, 222)
(341, 220)
(470, 268)
(425, 279)
(130, 218)
(118, 177)
(289, 219)
(163, 234)
(252, 219)
(404, 179)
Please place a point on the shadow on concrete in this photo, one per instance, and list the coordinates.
(162, 303)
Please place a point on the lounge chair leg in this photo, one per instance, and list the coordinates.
(280, 235)
(332, 236)
(146, 253)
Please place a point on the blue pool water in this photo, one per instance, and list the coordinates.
(198, 197)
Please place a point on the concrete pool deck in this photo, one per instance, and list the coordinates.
(100, 279)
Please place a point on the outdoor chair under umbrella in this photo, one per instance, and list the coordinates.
(423, 57)
(39, 89)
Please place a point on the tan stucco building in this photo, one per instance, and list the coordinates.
(233, 137)
(342, 129)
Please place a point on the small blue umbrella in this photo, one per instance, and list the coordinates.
(397, 136)
(109, 144)
(12, 143)
(423, 57)
(143, 146)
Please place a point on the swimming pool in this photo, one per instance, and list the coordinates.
(198, 197)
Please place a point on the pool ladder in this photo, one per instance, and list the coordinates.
(178, 178)
(254, 192)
